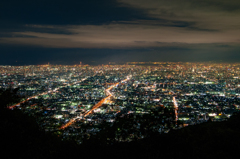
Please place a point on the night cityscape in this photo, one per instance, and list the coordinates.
(120, 79)
(75, 101)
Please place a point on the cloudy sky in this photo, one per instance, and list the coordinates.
(102, 31)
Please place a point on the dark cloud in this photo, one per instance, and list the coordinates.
(120, 36)
(201, 14)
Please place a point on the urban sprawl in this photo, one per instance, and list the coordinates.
(125, 102)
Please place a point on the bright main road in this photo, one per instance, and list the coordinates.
(99, 104)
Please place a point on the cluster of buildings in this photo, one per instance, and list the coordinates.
(181, 93)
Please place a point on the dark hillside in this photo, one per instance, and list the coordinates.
(20, 137)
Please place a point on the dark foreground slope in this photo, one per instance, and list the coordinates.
(21, 138)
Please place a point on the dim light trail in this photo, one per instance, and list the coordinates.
(176, 107)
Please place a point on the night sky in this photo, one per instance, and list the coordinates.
(102, 31)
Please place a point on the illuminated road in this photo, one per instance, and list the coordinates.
(99, 104)
(176, 107)
(55, 90)
(107, 99)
